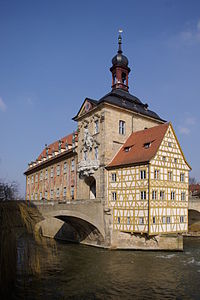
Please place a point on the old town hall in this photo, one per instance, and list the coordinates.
(123, 155)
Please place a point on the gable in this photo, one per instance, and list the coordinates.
(171, 150)
(87, 106)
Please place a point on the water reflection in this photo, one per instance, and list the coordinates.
(70, 271)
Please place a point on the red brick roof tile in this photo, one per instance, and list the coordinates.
(134, 151)
(55, 145)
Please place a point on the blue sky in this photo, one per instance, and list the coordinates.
(54, 54)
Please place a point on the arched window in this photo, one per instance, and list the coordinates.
(124, 78)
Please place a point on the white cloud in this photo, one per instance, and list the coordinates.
(29, 101)
(190, 121)
(192, 34)
(2, 105)
(198, 25)
(184, 130)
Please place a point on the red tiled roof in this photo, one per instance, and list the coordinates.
(194, 188)
(135, 146)
(55, 145)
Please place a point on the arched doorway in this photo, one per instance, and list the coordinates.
(91, 182)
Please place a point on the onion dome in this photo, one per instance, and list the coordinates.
(120, 59)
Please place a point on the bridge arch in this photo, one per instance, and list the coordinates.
(72, 226)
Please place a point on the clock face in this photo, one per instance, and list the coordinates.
(87, 106)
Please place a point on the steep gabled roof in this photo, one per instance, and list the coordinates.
(140, 147)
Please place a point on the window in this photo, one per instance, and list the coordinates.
(162, 195)
(114, 196)
(72, 164)
(96, 152)
(170, 176)
(154, 195)
(45, 195)
(41, 176)
(175, 160)
(32, 179)
(65, 168)
(143, 195)
(124, 78)
(172, 195)
(182, 177)
(28, 180)
(141, 220)
(40, 195)
(142, 174)
(164, 158)
(64, 191)
(118, 220)
(58, 170)
(46, 174)
(36, 178)
(36, 196)
(59, 146)
(156, 174)
(164, 220)
(127, 149)
(128, 220)
(114, 177)
(147, 145)
(154, 220)
(72, 192)
(183, 196)
(168, 220)
(32, 196)
(121, 127)
(181, 219)
(85, 155)
(96, 126)
(51, 172)
(169, 144)
(51, 194)
(66, 146)
(57, 192)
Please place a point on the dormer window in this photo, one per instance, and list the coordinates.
(147, 145)
(66, 146)
(59, 146)
(127, 149)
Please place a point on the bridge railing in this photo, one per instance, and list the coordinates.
(67, 201)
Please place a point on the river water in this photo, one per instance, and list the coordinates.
(48, 269)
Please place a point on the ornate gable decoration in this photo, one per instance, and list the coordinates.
(85, 108)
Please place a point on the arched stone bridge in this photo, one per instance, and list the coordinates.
(194, 204)
(79, 221)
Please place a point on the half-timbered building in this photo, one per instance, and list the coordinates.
(122, 154)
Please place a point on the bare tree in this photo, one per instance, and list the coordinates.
(192, 180)
(9, 191)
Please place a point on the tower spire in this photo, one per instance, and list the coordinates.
(120, 69)
(120, 42)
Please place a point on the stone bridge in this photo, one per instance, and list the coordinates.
(194, 204)
(78, 221)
